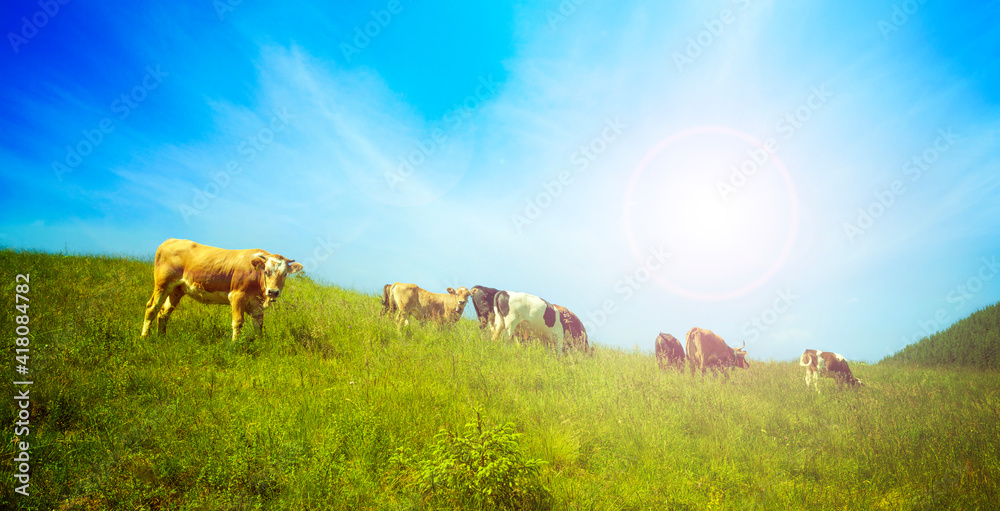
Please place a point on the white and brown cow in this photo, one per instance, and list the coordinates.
(705, 349)
(512, 309)
(574, 334)
(411, 300)
(669, 352)
(828, 364)
(248, 280)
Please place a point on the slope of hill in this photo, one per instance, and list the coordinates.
(970, 342)
(334, 409)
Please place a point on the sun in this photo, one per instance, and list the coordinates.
(725, 241)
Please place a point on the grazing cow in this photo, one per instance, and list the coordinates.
(388, 306)
(829, 364)
(411, 300)
(669, 352)
(705, 349)
(248, 280)
(482, 300)
(512, 309)
(574, 334)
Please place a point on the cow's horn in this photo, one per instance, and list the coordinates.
(744, 344)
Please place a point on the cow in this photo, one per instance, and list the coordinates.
(705, 349)
(512, 309)
(669, 352)
(574, 334)
(248, 280)
(411, 300)
(828, 364)
(388, 306)
(482, 300)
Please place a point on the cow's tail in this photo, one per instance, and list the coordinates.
(805, 359)
(393, 304)
(386, 297)
(501, 307)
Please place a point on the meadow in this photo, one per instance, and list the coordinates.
(334, 409)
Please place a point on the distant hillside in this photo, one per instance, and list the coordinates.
(970, 342)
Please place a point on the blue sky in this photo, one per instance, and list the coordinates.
(795, 176)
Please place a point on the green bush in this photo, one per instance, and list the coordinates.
(482, 468)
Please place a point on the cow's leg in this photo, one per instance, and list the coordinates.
(814, 378)
(236, 300)
(152, 308)
(497, 326)
(400, 318)
(510, 327)
(173, 299)
(258, 323)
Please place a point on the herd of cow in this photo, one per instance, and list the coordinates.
(508, 312)
(250, 280)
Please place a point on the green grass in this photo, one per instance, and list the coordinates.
(333, 409)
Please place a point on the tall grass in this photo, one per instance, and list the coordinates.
(335, 409)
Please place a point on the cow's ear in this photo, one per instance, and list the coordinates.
(295, 267)
(258, 263)
(451, 290)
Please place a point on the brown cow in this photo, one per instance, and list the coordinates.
(409, 299)
(669, 352)
(705, 349)
(828, 364)
(574, 334)
(248, 280)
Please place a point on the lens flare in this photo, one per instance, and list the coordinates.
(714, 233)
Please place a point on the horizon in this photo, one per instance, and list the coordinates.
(822, 176)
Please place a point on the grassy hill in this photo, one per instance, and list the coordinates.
(333, 409)
(970, 342)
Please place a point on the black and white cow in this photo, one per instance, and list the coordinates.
(513, 309)
(482, 300)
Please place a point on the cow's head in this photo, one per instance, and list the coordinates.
(274, 268)
(740, 357)
(463, 297)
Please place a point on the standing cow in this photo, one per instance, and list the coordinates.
(512, 309)
(482, 300)
(828, 364)
(574, 334)
(669, 352)
(248, 280)
(705, 349)
(411, 300)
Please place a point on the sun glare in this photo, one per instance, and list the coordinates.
(725, 241)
